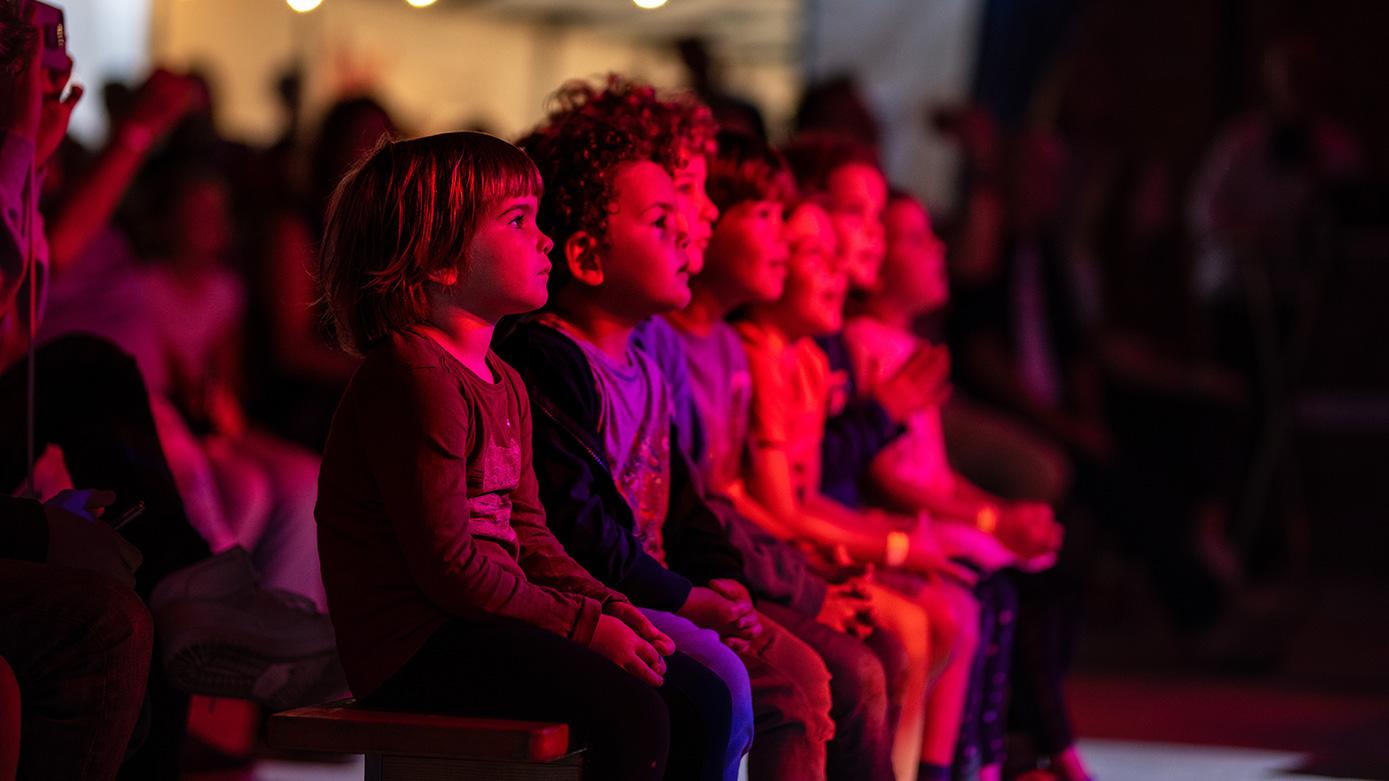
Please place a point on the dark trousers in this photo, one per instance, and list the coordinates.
(79, 644)
(92, 402)
(862, 744)
(986, 704)
(512, 670)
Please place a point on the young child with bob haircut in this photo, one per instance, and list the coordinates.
(446, 587)
(618, 491)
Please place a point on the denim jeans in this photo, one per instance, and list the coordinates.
(504, 668)
(789, 690)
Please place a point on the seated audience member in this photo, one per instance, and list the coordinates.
(294, 374)
(617, 489)
(746, 262)
(447, 589)
(107, 438)
(241, 485)
(913, 473)
(77, 637)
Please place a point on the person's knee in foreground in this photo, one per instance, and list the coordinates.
(620, 493)
(445, 585)
(77, 637)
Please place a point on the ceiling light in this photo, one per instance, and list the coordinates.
(303, 6)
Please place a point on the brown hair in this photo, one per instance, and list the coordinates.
(404, 212)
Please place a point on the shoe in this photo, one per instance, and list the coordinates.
(223, 635)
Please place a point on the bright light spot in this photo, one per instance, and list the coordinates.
(420, 3)
(648, 4)
(303, 6)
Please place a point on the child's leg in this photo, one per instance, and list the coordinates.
(705, 647)
(979, 751)
(909, 625)
(945, 706)
(509, 669)
(861, 748)
(791, 707)
(1040, 653)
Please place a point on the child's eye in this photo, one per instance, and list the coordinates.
(661, 221)
(517, 221)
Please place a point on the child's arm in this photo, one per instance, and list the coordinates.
(582, 506)
(542, 557)
(415, 424)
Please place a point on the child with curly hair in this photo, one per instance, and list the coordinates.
(618, 490)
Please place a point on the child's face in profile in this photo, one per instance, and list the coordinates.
(914, 268)
(645, 269)
(696, 210)
(858, 193)
(508, 262)
(813, 303)
(748, 254)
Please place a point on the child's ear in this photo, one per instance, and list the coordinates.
(582, 260)
(444, 277)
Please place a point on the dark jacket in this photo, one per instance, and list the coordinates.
(582, 503)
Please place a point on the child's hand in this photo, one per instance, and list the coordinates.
(639, 623)
(922, 382)
(848, 608)
(925, 556)
(733, 619)
(985, 551)
(1030, 529)
(623, 647)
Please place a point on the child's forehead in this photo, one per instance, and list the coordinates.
(857, 180)
(642, 182)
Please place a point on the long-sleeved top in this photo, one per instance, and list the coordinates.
(428, 509)
(775, 570)
(21, 234)
(583, 503)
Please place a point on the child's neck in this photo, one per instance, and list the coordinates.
(888, 312)
(767, 318)
(464, 335)
(610, 333)
(705, 311)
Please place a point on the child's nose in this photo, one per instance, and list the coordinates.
(546, 244)
(710, 211)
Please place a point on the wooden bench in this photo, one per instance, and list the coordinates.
(401, 746)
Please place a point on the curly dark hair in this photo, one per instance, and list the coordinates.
(746, 168)
(593, 129)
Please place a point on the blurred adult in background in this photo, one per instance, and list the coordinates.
(295, 375)
(705, 80)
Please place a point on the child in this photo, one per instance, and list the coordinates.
(861, 425)
(445, 586)
(913, 471)
(746, 262)
(618, 491)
